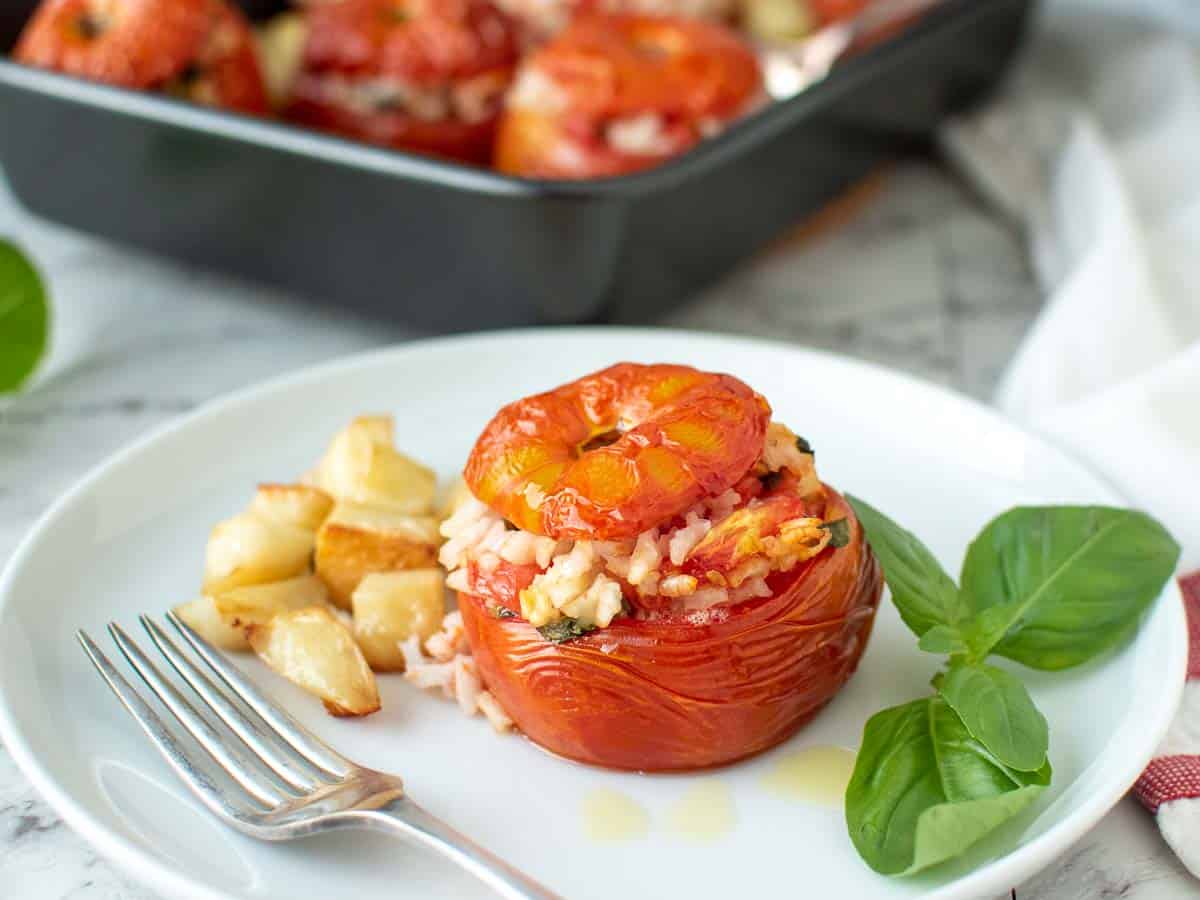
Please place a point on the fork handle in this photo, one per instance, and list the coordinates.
(403, 817)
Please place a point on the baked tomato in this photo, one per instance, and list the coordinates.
(618, 451)
(421, 75)
(138, 44)
(684, 690)
(614, 94)
(200, 50)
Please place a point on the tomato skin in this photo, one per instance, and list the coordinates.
(828, 11)
(676, 693)
(687, 434)
(690, 74)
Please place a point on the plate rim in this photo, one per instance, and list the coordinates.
(130, 856)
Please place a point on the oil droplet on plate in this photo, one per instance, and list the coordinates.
(814, 775)
(611, 816)
(703, 813)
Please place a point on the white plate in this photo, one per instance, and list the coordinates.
(130, 538)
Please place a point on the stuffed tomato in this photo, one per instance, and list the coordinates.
(616, 94)
(650, 574)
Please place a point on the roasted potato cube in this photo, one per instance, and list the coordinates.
(312, 649)
(357, 540)
(301, 505)
(202, 617)
(249, 549)
(390, 607)
(362, 466)
(380, 429)
(255, 604)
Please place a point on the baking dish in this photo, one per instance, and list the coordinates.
(448, 247)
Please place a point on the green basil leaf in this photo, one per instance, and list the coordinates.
(24, 318)
(945, 639)
(1052, 587)
(968, 768)
(922, 591)
(999, 713)
(895, 779)
(946, 830)
(924, 790)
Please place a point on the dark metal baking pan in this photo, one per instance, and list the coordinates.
(448, 247)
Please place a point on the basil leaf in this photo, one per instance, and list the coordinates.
(924, 790)
(24, 318)
(564, 629)
(943, 639)
(999, 713)
(839, 532)
(895, 779)
(1052, 587)
(922, 591)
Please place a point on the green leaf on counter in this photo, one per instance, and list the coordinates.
(24, 318)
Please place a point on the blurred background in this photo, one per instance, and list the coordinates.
(999, 196)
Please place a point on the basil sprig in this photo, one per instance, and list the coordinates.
(1049, 587)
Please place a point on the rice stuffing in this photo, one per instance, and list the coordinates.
(446, 664)
(584, 580)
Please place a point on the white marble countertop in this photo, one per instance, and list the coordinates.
(919, 277)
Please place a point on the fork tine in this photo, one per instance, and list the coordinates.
(300, 738)
(180, 761)
(276, 753)
(235, 763)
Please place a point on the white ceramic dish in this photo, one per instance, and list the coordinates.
(131, 536)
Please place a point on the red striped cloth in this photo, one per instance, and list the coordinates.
(1177, 776)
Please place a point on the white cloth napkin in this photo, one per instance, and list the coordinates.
(1095, 146)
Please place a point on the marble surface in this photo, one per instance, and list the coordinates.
(912, 273)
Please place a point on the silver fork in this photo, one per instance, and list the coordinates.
(283, 782)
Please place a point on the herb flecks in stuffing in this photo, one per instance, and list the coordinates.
(839, 532)
(564, 629)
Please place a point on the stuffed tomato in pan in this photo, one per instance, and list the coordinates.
(615, 94)
(198, 50)
(421, 75)
(650, 573)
